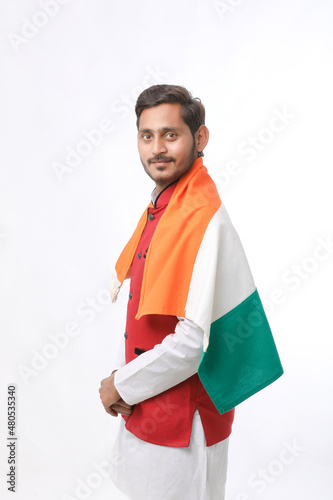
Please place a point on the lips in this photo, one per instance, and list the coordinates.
(161, 162)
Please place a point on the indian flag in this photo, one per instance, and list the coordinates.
(196, 268)
(239, 356)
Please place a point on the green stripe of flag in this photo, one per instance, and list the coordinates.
(241, 358)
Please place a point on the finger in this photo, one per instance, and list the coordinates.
(123, 405)
(111, 411)
(122, 410)
(121, 402)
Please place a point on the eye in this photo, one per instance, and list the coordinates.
(171, 135)
(146, 136)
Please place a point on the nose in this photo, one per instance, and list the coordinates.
(159, 146)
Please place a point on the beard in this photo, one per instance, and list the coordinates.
(158, 174)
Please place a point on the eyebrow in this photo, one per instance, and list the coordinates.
(163, 129)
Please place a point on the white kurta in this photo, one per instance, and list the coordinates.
(147, 471)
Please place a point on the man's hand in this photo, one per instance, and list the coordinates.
(122, 408)
(109, 394)
(111, 399)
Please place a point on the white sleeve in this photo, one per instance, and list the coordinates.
(166, 365)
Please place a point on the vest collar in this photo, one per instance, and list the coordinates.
(161, 199)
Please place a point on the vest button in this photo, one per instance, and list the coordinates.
(130, 295)
(139, 255)
(150, 217)
(125, 335)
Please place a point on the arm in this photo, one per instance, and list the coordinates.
(166, 365)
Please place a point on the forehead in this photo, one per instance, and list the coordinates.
(162, 116)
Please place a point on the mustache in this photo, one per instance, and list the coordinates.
(161, 158)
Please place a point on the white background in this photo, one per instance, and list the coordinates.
(63, 73)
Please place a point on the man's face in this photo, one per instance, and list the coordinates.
(166, 146)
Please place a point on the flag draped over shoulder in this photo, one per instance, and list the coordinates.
(196, 268)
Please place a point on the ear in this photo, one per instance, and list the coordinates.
(201, 137)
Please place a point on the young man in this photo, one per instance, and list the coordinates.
(197, 341)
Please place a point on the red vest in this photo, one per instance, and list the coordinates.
(165, 419)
